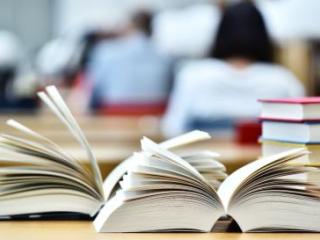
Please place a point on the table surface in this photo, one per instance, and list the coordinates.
(98, 129)
(16, 230)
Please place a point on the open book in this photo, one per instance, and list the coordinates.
(37, 176)
(155, 189)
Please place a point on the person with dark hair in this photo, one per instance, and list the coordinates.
(242, 33)
(129, 76)
(216, 92)
(143, 21)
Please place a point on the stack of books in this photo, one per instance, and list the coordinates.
(291, 123)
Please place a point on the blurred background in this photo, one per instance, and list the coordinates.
(178, 64)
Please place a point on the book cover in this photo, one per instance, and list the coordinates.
(301, 100)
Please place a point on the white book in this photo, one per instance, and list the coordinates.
(270, 147)
(291, 109)
(155, 189)
(305, 132)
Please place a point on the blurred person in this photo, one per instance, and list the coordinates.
(79, 86)
(128, 75)
(216, 92)
(17, 91)
(62, 62)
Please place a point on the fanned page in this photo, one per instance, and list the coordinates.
(54, 100)
(233, 183)
(277, 193)
(199, 159)
(162, 191)
(41, 177)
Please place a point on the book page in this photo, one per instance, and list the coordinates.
(35, 156)
(236, 179)
(49, 144)
(55, 102)
(187, 138)
(150, 146)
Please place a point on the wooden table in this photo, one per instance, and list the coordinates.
(78, 230)
(98, 129)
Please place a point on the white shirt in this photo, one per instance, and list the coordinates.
(213, 89)
(129, 70)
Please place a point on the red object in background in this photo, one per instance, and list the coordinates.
(248, 132)
(133, 109)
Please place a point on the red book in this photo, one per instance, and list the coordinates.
(306, 109)
(301, 100)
